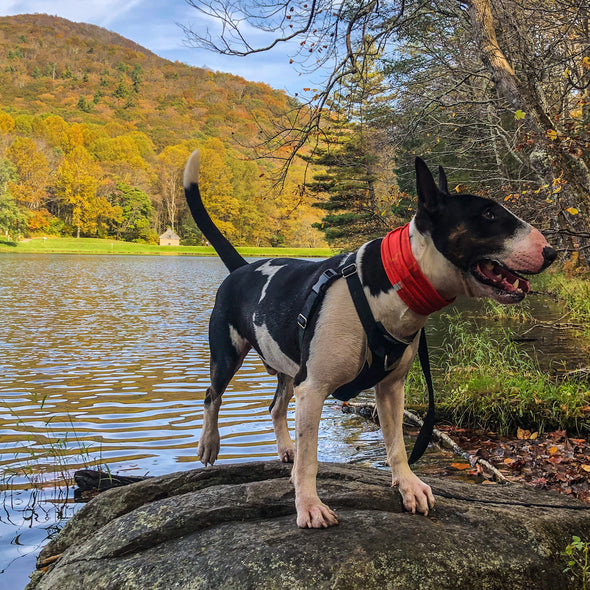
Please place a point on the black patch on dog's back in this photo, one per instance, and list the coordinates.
(286, 291)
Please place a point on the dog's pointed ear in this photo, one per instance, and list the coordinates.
(428, 193)
(443, 187)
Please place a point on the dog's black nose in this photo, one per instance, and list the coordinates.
(549, 254)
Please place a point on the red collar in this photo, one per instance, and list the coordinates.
(405, 275)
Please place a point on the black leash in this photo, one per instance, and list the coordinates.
(425, 434)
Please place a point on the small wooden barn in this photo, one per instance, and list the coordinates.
(169, 238)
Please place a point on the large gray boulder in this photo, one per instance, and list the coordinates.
(233, 526)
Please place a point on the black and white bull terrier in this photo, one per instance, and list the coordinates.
(457, 244)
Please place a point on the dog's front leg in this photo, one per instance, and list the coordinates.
(417, 496)
(311, 512)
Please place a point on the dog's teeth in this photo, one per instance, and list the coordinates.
(516, 284)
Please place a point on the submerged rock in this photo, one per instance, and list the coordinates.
(233, 526)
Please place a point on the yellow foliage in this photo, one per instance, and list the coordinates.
(6, 123)
(32, 169)
(551, 134)
(55, 131)
(122, 148)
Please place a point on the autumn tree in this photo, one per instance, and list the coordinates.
(77, 181)
(29, 188)
(170, 167)
(55, 131)
(13, 219)
(215, 181)
(6, 124)
(134, 223)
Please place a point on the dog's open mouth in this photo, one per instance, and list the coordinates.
(494, 274)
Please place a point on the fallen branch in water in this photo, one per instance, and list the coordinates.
(582, 373)
(369, 411)
(555, 326)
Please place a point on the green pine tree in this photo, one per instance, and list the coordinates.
(358, 186)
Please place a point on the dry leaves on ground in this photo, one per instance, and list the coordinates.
(550, 461)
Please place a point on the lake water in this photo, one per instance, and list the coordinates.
(104, 360)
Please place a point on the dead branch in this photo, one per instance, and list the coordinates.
(554, 326)
(369, 411)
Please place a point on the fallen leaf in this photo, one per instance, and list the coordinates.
(523, 434)
(460, 466)
(555, 460)
(585, 468)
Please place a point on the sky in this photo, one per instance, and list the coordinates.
(154, 24)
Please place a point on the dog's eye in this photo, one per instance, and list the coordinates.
(488, 215)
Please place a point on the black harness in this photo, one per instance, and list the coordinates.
(386, 350)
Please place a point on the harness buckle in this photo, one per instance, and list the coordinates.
(302, 321)
(349, 270)
(325, 277)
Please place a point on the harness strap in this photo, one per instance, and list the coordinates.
(381, 343)
(315, 297)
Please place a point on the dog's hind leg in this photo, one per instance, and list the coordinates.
(227, 354)
(278, 412)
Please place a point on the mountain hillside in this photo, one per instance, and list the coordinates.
(50, 64)
(77, 100)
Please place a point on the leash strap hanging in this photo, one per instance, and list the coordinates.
(425, 434)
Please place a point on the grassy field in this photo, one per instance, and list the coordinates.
(52, 245)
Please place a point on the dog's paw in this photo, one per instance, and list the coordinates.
(313, 514)
(287, 454)
(416, 495)
(208, 449)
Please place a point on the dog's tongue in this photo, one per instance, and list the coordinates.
(502, 277)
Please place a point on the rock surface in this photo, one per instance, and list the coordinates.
(233, 527)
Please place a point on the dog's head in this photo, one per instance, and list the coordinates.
(489, 245)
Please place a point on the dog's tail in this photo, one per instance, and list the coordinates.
(228, 254)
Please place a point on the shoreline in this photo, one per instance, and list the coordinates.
(97, 246)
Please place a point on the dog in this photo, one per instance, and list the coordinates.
(459, 244)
